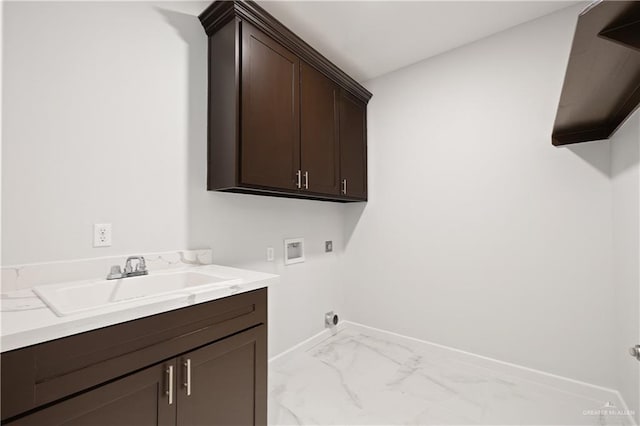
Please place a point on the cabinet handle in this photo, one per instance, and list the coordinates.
(344, 186)
(306, 180)
(170, 382)
(187, 383)
(298, 179)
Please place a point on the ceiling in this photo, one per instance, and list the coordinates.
(371, 38)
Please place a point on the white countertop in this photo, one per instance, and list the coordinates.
(26, 320)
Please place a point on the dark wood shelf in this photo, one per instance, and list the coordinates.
(602, 84)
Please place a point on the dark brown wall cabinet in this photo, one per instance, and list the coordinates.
(270, 117)
(353, 147)
(283, 120)
(202, 365)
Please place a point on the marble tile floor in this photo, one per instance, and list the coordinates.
(361, 378)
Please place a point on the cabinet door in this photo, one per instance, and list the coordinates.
(140, 399)
(225, 383)
(270, 136)
(319, 149)
(353, 146)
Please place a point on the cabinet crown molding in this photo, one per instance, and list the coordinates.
(220, 13)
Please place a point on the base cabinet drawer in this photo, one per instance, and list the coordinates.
(223, 383)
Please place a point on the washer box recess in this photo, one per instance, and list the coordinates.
(293, 250)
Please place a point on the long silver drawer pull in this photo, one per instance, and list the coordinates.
(344, 186)
(170, 380)
(187, 383)
(299, 179)
(306, 180)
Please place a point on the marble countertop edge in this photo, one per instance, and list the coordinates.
(25, 320)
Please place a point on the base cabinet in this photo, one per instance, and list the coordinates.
(139, 399)
(201, 365)
(224, 383)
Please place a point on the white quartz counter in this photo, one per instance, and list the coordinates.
(26, 320)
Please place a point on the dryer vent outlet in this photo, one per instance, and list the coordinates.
(330, 319)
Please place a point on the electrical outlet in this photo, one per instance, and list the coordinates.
(328, 246)
(102, 235)
(270, 254)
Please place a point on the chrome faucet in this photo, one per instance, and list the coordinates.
(129, 270)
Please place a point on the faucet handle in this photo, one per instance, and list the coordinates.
(139, 269)
(115, 273)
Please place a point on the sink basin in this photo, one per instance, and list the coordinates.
(71, 298)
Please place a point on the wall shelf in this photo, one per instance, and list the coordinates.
(602, 83)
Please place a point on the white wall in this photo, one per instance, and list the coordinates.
(625, 173)
(104, 111)
(479, 234)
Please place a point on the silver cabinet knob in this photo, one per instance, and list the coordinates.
(635, 352)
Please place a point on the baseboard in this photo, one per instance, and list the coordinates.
(307, 344)
(586, 390)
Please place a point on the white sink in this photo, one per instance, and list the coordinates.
(71, 298)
